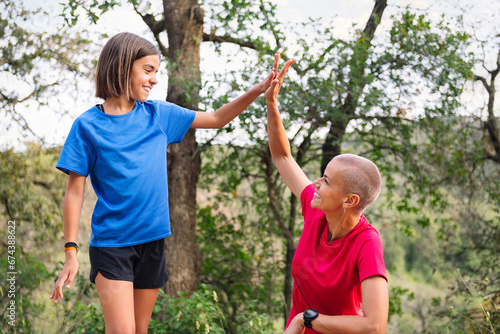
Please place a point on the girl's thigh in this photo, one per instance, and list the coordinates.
(144, 300)
(117, 302)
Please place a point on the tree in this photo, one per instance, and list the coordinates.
(183, 21)
(491, 127)
(36, 64)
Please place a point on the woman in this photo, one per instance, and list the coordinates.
(340, 283)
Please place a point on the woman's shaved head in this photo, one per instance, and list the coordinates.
(361, 177)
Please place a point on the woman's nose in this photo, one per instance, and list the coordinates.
(316, 182)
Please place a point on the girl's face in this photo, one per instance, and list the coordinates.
(329, 195)
(143, 77)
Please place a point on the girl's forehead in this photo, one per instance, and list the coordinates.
(153, 60)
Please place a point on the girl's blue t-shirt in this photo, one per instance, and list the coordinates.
(126, 158)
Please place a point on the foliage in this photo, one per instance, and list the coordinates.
(238, 263)
(93, 10)
(31, 193)
(30, 196)
(86, 318)
(395, 304)
(36, 63)
(18, 290)
(198, 313)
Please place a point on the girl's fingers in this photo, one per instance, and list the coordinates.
(69, 281)
(276, 62)
(56, 294)
(276, 59)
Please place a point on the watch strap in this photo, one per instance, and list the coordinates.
(308, 324)
(309, 315)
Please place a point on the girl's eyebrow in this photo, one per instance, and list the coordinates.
(150, 66)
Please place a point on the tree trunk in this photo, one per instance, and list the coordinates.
(492, 151)
(184, 26)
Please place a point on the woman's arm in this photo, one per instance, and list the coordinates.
(72, 208)
(279, 144)
(228, 112)
(375, 309)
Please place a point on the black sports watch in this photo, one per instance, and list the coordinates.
(310, 315)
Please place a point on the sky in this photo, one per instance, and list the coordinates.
(344, 13)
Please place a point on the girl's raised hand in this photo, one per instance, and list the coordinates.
(264, 84)
(273, 90)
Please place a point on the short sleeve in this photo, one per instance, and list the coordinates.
(305, 199)
(78, 154)
(174, 120)
(371, 258)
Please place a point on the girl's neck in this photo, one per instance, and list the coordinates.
(118, 105)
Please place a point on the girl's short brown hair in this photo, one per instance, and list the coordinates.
(115, 63)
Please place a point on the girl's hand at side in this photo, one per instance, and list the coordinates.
(67, 275)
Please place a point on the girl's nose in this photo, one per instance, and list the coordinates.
(153, 80)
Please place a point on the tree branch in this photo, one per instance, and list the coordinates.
(156, 28)
(375, 18)
(483, 80)
(212, 37)
(320, 59)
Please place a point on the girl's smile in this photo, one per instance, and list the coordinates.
(143, 77)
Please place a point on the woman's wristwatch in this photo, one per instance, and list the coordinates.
(309, 315)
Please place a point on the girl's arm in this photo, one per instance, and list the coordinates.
(72, 208)
(279, 144)
(230, 111)
(375, 310)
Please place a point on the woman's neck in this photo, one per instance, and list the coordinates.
(118, 105)
(341, 224)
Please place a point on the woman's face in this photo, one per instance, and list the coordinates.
(329, 196)
(143, 77)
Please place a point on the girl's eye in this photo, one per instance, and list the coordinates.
(324, 178)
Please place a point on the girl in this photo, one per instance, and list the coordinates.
(122, 145)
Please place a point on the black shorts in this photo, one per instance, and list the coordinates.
(143, 264)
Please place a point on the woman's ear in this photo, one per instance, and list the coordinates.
(351, 201)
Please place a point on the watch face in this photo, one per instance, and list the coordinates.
(310, 313)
